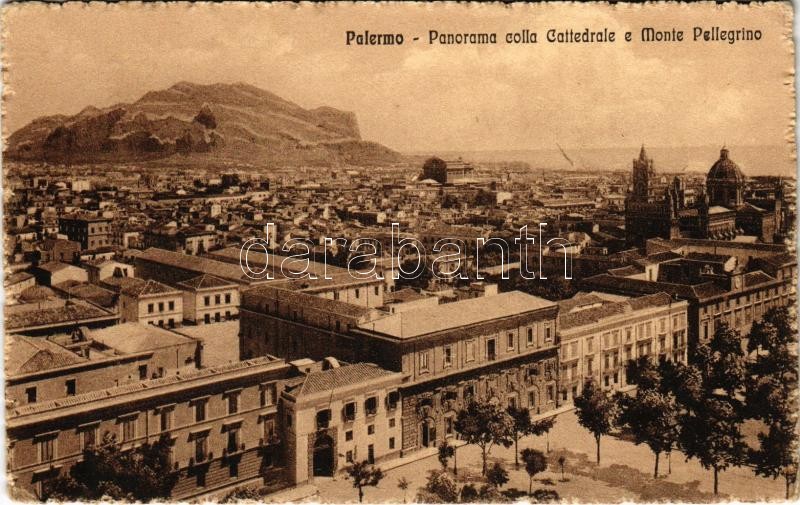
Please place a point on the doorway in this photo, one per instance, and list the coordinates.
(323, 457)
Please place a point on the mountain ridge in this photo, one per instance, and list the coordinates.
(234, 122)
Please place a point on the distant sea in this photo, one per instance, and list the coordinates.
(753, 160)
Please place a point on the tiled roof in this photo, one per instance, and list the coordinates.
(344, 376)
(148, 287)
(594, 315)
(626, 271)
(402, 296)
(757, 277)
(305, 300)
(628, 285)
(74, 311)
(198, 264)
(29, 355)
(90, 292)
(205, 281)
(136, 337)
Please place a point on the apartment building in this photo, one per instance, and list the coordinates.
(150, 302)
(209, 299)
(223, 423)
(599, 335)
(90, 232)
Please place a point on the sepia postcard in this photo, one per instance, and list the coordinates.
(399, 252)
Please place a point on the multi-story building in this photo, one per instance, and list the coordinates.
(208, 299)
(338, 415)
(150, 302)
(39, 369)
(192, 240)
(502, 348)
(222, 421)
(717, 286)
(90, 232)
(600, 335)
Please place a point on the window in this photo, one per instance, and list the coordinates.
(269, 394)
(490, 350)
(547, 335)
(171, 305)
(551, 396)
(470, 350)
(128, 429)
(589, 344)
(70, 386)
(200, 411)
(589, 364)
(358, 293)
(349, 413)
(423, 360)
(371, 405)
(391, 442)
(142, 372)
(233, 470)
(323, 419)
(216, 317)
(371, 429)
(161, 306)
(335, 295)
(149, 308)
(47, 449)
(171, 323)
(227, 298)
(348, 435)
(349, 456)
(574, 349)
(448, 426)
(269, 429)
(217, 299)
(233, 440)
(392, 399)
(530, 336)
(448, 355)
(207, 300)
(391, 423)
(89, 434)
(200, 448)
(531, 399)
(510, 341)
(377, 290)
(233, 403)
(165, 419)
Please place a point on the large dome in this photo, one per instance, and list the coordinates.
(725, 169)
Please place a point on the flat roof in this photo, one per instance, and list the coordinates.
(453, 315)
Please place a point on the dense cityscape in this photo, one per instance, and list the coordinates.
(653, 357)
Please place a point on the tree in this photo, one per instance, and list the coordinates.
(543, 427)
(535, 462)
(440, 488)
(595, 411)
(521, 418)
(141, 474)
(484, 424)
(363, 474)
(652, 418)
(776, 455)
(402, 484)
(497, 475)
(711, 432)
(446, 452)
(771, 396)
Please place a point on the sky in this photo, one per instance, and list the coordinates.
(419, 97)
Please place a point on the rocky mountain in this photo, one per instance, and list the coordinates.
(231, 122)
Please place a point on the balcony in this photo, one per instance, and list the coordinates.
(269, 441)
(233, 450)
(201, 459)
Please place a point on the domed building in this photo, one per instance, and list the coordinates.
(723, 212)
(725, 182)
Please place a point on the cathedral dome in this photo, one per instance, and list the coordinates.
(725, 169)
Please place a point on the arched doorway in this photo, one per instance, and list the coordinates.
(323, 456)
(428, 430)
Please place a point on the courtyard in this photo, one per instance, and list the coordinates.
(624, 474)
